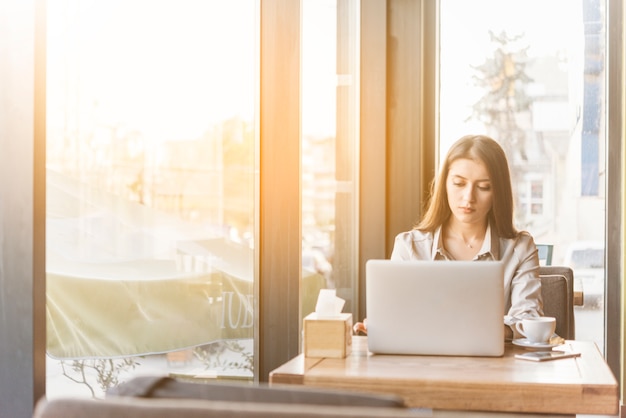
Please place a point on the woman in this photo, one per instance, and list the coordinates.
(470, 217)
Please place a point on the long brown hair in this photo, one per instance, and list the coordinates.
(486, 150)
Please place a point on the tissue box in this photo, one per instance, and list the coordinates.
(326, 336)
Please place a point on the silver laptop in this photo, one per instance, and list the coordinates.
(435, 307)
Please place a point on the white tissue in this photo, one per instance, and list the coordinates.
(328, 304)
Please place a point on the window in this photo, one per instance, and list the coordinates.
(151, 140)
(531, 197)
(330, 138)
(540, 92)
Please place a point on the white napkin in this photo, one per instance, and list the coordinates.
(328, 304)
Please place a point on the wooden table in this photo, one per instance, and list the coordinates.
(583, 385)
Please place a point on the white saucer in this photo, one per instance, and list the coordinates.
(523, 342)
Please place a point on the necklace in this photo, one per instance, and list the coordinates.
(469, 244)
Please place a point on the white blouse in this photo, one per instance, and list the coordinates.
(522, 286)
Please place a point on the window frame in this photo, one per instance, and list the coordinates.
(615, 183)
(277, 311)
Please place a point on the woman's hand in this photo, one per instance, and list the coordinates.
(360, 328)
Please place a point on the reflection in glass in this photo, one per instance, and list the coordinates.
(150, 190)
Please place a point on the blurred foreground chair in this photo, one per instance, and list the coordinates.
(557, 290)
(165, 397)
(197, 408)
(212, 390)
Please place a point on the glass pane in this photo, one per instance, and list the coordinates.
(329, 150)
(150, 190)
(539, 91)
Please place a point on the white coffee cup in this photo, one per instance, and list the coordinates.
(537, 330)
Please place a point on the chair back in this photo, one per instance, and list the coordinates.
(557, 291)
